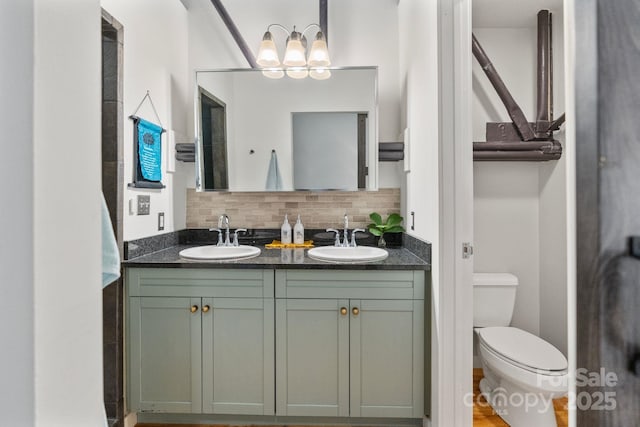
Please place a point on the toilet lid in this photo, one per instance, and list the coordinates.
(523, 348)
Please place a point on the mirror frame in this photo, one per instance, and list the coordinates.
(372, 143)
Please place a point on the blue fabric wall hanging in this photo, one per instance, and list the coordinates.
(149, 150)
(147, 143)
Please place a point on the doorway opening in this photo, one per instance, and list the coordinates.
(112, 188)
(214, 141)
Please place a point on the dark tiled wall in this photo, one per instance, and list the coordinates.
(112, 184)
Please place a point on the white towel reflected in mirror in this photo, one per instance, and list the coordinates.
(274, 179)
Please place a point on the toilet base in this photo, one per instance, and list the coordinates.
(518, 407)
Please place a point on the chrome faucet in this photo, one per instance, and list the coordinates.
(353, 243)
(235, 235)
(345, 240)
(223, 221)
(337, 241)
(219, 236)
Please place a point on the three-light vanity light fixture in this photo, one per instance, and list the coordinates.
(296, 63)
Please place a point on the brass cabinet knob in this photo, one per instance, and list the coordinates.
(194, 308)
(205, 308)
(355, 311)
(344, 311)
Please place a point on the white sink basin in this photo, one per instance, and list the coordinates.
(220, 252)
(340, 254)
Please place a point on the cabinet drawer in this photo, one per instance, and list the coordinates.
(213, 282)
(350, 284)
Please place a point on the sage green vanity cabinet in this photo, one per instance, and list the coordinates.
(201, 341)
(350, 343)
(164, 353)
(317, 343)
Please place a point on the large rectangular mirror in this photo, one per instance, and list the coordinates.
(256, 133)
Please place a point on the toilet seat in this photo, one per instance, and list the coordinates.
(524, 350)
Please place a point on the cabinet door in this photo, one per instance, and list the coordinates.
(386, 355)
(238, 356)
(165, 354)
(312, 357)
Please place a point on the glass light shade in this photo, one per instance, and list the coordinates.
(319, 54)
(320, 73)
(273, 73)
(297, 72)
(294, 56)
(268, 54)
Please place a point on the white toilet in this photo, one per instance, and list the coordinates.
(522, 372)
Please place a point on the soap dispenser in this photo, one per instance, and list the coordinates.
(285, 231)
(298, 232)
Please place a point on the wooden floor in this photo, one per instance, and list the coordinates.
(484, 416)
(233, 425)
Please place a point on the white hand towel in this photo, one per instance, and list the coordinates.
(274, 179)
(110, 254)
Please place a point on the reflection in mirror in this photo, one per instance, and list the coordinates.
(324, 142)
(260, 134)
(213, 114)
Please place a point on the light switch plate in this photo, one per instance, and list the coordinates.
(160, 221)
(144, 205)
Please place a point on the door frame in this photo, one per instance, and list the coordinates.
(452, 376)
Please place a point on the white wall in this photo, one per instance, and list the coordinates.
(554, 186)
(155, 60)
(418, 46)
(506, 231)
(520, 208)
(419, 88)
(66, 214)
(16, 214)
(360, 33)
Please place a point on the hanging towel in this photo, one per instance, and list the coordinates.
(149, 149)
(274, 180)
(110, 254)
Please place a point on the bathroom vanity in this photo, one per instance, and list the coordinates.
(276, 339)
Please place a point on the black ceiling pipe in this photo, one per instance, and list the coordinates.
(324, 18)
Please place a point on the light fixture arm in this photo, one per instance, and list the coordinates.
(283, 28)
(311, 26)
(302, 33)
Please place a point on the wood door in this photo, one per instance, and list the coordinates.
(607, 93)
(386, 354)
(238, 356)
(165, 354)
(312, 357)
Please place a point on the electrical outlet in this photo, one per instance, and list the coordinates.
(144, 205)
(160, 221)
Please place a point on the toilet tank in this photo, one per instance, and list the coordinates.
(494, 296)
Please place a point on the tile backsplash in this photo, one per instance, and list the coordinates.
(267, 210)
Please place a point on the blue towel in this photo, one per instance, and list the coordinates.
(274, 180)
(149, 150)
(110, 254)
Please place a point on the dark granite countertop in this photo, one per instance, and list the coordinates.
(162, 251)
(398, 259)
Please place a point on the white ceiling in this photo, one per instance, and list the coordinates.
(511, 13)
